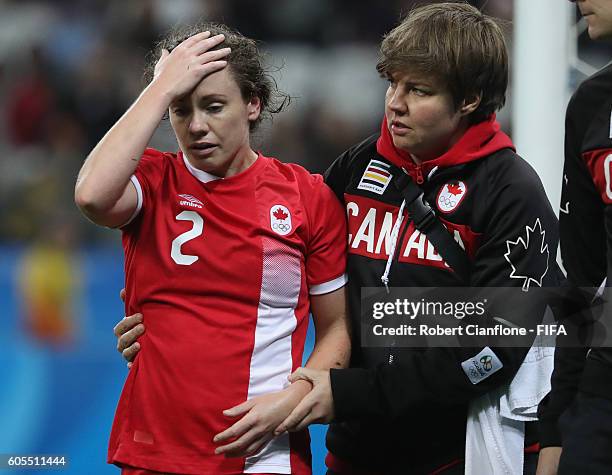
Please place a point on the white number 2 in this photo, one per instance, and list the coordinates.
(198, 227)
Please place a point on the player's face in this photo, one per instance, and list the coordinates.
(421, 115)
(598, 15)
(212, 125)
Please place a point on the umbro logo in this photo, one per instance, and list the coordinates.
(191, 201)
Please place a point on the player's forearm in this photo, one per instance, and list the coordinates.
(108, 168)
(332, 348)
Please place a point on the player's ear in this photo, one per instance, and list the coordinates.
(253, 108)
(470, 104)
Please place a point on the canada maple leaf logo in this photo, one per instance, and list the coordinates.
(280, 214)
(454, 189)
(280, 220)
(528, 256)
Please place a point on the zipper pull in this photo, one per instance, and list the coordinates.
(419, 174)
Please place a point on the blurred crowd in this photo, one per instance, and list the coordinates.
(69, 68)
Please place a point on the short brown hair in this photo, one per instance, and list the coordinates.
(246, 63)
(456, 43)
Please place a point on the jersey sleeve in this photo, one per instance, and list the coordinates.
(520, 240)
(146, 180)
(581, 217)
(326, 252)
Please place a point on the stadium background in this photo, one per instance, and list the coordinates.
(68, 69)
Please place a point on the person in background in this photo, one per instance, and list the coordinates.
(226, 252)
(576, 416)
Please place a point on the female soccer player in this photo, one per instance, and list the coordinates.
(226, 251)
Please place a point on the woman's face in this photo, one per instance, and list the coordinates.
(421, 115)
(598, 15)
(211, 124)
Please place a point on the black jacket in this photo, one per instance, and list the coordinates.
(586, 244)
(409, 415)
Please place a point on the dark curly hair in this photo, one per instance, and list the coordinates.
(246, 63)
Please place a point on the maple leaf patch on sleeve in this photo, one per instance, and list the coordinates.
(528, 255)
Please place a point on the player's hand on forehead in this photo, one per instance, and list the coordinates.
(178, 72)
(202, 42)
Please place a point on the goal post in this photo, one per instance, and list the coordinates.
(543, 41)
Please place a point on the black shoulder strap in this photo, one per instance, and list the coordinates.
(426, 221)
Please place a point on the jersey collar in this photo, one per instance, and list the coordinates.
(201, 175)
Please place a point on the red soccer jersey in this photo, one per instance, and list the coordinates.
(222, 270)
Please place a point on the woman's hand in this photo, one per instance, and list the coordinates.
(317, 407)
(179, 72)
(127, 331)
(548, 461)
(261, 415)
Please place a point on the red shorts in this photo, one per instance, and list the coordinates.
(125, 470)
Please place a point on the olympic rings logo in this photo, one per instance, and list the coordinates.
(450, 196)
(281, 227)
(447, 201)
